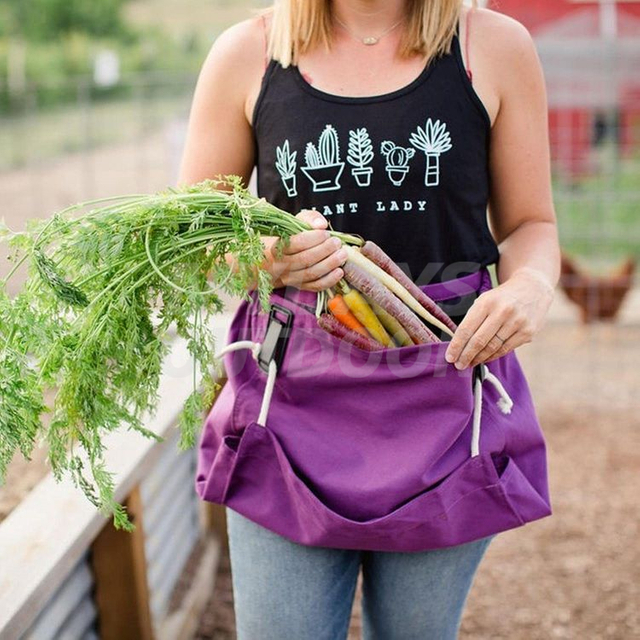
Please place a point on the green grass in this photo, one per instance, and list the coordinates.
(599, 216)
(46, 133)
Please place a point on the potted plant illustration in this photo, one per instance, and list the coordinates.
(324, 167)
(397, 161)
(433, 140)
(286, 165)
(360, 155)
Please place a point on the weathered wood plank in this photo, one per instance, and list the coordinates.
(120, 570)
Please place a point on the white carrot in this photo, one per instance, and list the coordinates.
(393, 285)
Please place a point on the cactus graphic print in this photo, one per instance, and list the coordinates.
(324, 168)
(433, 140)
(286, 166)
(360, 156)
(397, 161)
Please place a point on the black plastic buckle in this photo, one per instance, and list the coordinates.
(276, 337)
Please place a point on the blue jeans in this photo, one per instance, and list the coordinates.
(287, 591)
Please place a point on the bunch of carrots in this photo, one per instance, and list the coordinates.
(377, 306)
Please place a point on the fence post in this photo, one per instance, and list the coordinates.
(119, 565)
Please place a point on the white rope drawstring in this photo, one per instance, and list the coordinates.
(268, 392)
(477, 410)
(255, 347)
(505, 404)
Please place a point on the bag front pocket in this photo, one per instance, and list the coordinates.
(313, 352)
(399, 418)
(467, 504)
(220, 471)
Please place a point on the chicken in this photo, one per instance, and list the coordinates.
(598, 297)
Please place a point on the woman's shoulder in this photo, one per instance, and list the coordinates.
(236, 63)
(503, 56)
(242, 46)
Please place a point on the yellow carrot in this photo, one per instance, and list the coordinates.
(368, 285)
(341, 312)
(361, 310)
(390, 323)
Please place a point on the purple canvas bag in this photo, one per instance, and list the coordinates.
(391, 450)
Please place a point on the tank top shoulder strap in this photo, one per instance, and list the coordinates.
(464, 66)
(271, 67)
(467, 32)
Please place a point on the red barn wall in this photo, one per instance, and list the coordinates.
(571, 129)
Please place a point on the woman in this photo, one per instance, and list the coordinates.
(399, 120)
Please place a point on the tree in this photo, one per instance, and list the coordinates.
(47, 19)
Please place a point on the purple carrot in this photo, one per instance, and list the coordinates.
(332, 325)
(379, 257)
(367, 284)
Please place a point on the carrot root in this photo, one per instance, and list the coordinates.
(404, 288)
(367, 283)
(341, 312)
(333, 326)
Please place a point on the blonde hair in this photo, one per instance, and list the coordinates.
(298, 26)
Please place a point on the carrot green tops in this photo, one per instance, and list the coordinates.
(406, 169)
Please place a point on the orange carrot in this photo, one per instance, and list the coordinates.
(341, 312)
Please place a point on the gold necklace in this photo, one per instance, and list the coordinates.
(369, 40)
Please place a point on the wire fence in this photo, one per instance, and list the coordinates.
(594, 121)
(98, 144)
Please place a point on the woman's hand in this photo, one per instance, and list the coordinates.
(310, 260)
(501, 319)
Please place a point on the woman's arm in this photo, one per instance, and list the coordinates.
(521, 211)
(220, 142)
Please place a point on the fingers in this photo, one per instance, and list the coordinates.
(484, 339)
(315, 265)
(319, 266)
(326, 281)
(305, 258)
(303, 241)
(505, 331)
(510, 344)
(494, 313)
(313, 218)
(466, 329)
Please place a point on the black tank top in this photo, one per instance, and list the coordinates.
(406, 169)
